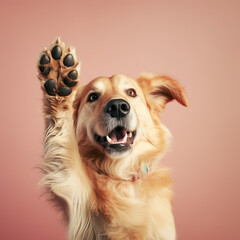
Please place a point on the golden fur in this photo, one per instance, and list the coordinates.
(101, 199)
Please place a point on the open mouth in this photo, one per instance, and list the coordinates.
(118, 140)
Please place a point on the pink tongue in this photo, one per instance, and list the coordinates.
(117, 135)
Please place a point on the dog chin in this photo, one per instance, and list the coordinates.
(117, 142)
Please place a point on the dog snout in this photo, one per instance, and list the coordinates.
(117, 108)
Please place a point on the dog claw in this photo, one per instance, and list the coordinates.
(58, 40)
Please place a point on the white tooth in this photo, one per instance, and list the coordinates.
(109, 139)
(125, 138)
(130, 135)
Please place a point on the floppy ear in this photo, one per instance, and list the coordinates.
(76, 105)
(161, 90)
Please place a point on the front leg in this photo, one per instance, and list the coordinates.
(64, 173)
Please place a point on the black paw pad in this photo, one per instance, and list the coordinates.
(50, 87)
(64, 91)
(73, 75)
(44, 70)
(56, 52)
(69, 83)
(68, 61)
(44, 59)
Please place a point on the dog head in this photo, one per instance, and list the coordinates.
(117, 119)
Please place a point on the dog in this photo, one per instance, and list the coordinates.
(101, 150)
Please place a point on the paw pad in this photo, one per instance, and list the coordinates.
(56, 52)
(73, 74)
(69, 83)
(44, 70)
(68, 61)
(44, 59)
(64, 91)
(50, 86)
(58, 69)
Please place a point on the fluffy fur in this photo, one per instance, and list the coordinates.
(98, 193)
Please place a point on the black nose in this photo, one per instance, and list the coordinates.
(117, 108)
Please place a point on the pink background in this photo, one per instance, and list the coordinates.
(196, 42)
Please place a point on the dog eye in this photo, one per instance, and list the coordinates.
(93, 97)
(131, 92)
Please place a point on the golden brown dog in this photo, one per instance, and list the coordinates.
(102, 146)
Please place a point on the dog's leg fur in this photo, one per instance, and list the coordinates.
(65, 174)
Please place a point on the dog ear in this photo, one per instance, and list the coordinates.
(161, 90)
(76, 105)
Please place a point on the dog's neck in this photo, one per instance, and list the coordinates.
(96, 165)
(140, 173)
(137, 175)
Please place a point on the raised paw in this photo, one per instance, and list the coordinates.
(59, 69)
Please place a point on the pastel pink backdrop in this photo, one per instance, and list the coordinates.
(196, 42)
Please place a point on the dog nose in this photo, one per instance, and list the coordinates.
(117, 108)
